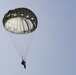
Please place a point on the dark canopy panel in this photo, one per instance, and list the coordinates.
(20, 21)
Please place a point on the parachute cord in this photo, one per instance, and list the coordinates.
(29, 45)
(14, 45)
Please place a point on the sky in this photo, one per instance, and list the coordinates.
(53, 48)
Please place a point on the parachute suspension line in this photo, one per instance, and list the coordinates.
(29, 45)
(23, 46)
(14, 44)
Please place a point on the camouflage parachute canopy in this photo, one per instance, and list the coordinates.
(20, 21)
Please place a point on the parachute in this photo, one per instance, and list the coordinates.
(20, 24)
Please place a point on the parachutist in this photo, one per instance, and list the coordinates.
(24, 63)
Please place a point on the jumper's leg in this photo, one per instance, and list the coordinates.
(25, 66)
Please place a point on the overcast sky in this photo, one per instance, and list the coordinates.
(53, 49)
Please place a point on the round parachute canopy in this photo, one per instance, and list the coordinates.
(20, 21)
